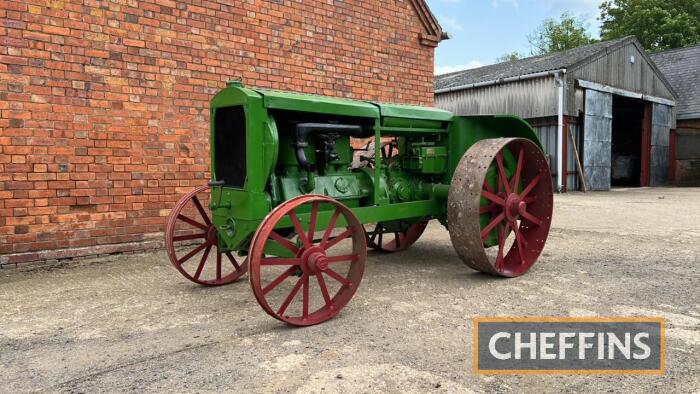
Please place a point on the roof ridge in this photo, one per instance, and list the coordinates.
(675, 50)
(530, 58)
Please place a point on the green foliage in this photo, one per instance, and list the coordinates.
(559, 35)
(658, 24)
(509, 57)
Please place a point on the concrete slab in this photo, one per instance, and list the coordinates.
(124, 323)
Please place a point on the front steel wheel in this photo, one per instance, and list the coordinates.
(500, 198)
(192, 243)
(324, 264)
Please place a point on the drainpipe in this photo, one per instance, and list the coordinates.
(560, 79)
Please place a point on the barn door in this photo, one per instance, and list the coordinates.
(597, 139)
(646, 146)
(660, 130)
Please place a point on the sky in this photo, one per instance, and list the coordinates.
(482, 30)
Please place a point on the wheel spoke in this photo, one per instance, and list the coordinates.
(506, 231)
(233, 261)
(518, 170)
(305, 298)
(502, 172)
(487, 187)
(280, 261)
(279, 279)
(331, 226)
(201, 210)
(324, 289)
(337, 277)
(516, 227)
(494, 198)
(291, 296)
(339, 238)
(381, 235)
(218, 266)
(312, 221)
(192, 253)
(486, 209)
(284, 242)
(485, 232)
(501, 243)
(188, 237)
(375, 232)
(531, 218)
(339, 259)
(202, 262)
(299, 229)
(530, 186)
(518, 242)
(397, 237)
(192, 222)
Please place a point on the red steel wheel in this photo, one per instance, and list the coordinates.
(192, 243)
(517, 209)
(327, 270)
(383, 238)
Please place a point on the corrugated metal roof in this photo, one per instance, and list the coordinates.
(531, 65)
(681, 67)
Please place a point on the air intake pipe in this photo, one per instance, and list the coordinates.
(304, 129)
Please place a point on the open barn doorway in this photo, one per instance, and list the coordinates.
(627, 136)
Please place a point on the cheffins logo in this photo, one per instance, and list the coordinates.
(554, 345)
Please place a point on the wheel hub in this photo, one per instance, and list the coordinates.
(514, 207)
(211, 235)
(314, 259)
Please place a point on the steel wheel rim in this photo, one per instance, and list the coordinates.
(401, 240)
(333, 304)
(205, 231)
(521, 203)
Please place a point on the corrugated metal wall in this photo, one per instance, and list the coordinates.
(548, 137)
(572, 178)
(546, 130)
(616, 69)
(532, 98)
(536, 98)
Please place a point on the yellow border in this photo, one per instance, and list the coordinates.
(568, 319)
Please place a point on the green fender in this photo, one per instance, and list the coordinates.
(465, 131)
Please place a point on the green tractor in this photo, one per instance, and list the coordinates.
(295, 205)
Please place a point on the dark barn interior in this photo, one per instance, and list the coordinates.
(627, 120)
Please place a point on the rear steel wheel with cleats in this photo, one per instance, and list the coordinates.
(500, 197)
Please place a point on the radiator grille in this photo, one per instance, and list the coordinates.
(230, 145)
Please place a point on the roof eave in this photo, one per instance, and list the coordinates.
(499, 81)
(433, 31)
(688, 115)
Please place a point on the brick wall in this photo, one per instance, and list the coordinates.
(104, 104)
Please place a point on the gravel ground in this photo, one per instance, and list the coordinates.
(125, 323)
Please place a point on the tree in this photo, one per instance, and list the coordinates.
(559, 35)
(658, 24)
(509, 57)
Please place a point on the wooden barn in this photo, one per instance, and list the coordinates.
(606, 106)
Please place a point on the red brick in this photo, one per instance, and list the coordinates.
(104, 118)
(57, 30)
